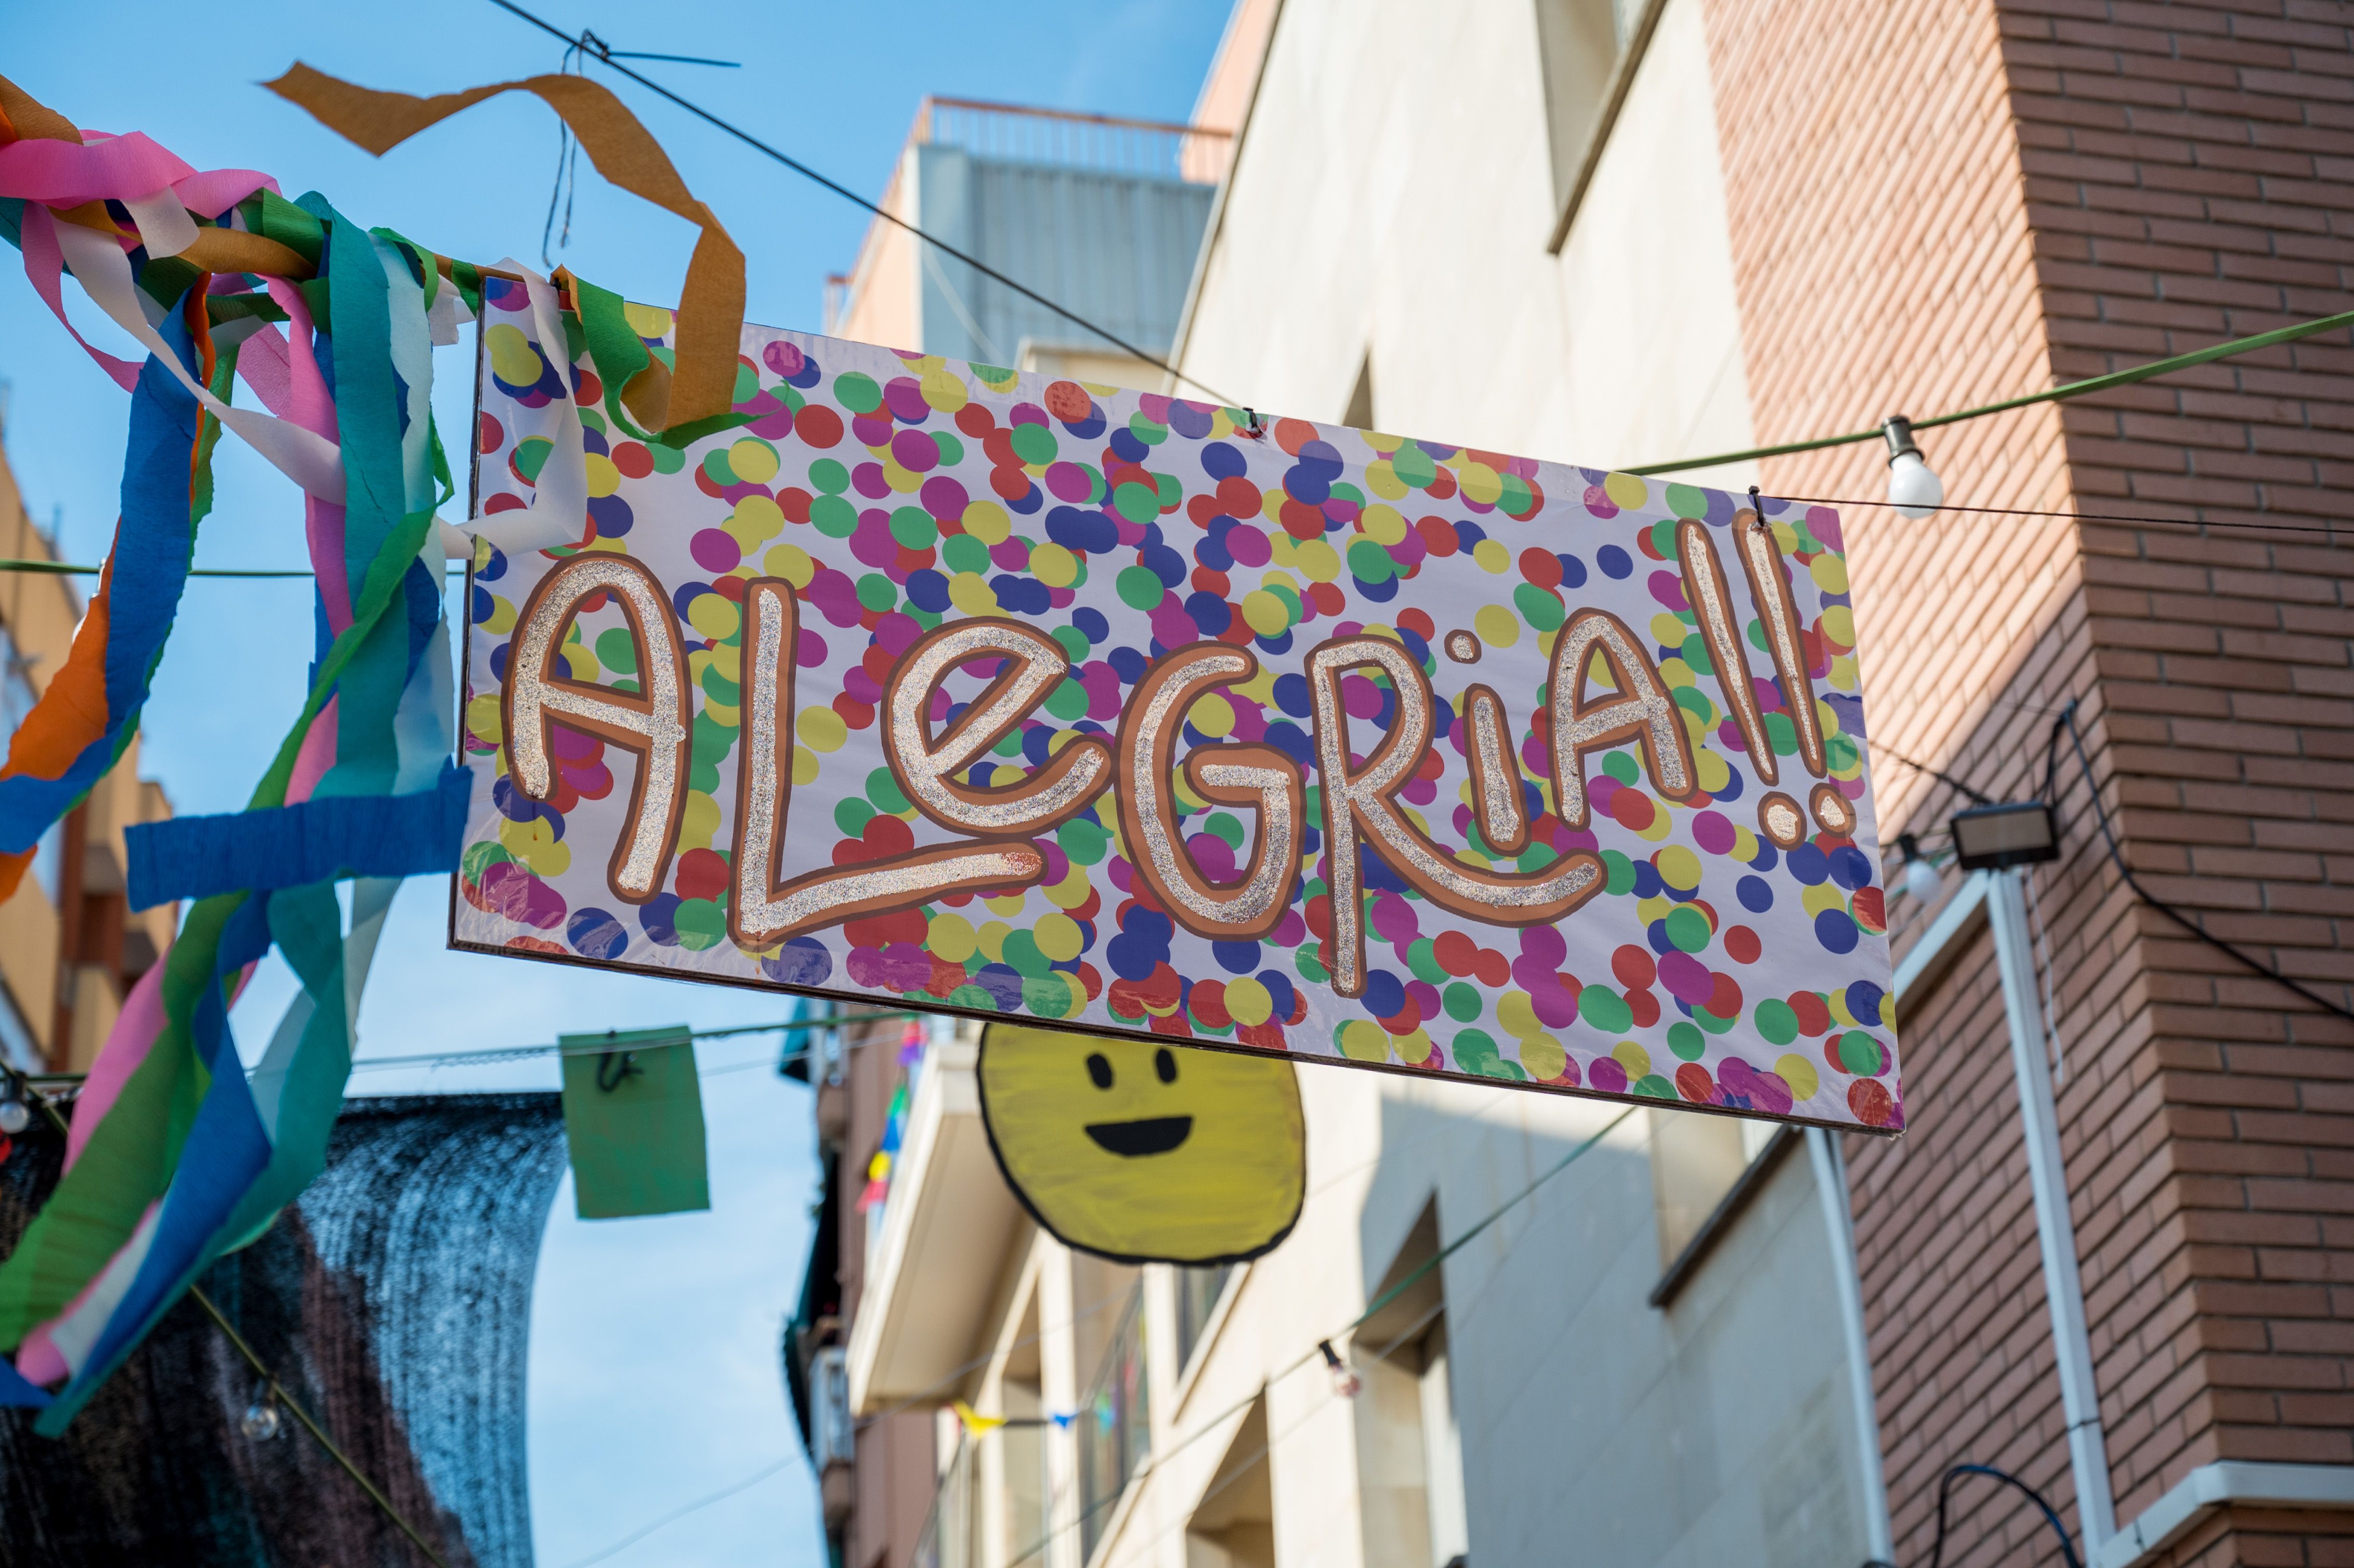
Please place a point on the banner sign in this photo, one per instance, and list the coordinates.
(933, 685)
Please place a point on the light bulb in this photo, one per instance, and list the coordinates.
(15, 1116)
(1922, 880)
(1346, 1383)
(1913, 487)
(261, 1420)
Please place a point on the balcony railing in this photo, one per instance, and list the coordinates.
(1012, 133)
(1105, 144)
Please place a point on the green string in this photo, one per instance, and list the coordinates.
(2053, 395)
(75, 569)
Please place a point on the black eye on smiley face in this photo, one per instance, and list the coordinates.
(1143, 1134)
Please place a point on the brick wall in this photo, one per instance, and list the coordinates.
(2190, 177)
(1936, 207)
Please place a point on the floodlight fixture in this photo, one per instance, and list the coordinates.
(2017, 833)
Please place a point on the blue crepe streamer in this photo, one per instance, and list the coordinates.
(291, 846)
(151, 568)
(16, 1393)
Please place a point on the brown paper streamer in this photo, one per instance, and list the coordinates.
(711, 303)
(27, 118)
(24, 118)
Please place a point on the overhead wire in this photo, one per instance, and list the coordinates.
(2042, 1504)
(1235, 1473)
(588, 44)
(595, 48)
(2329, 528)
(2126, 377)
(522, 1053)
(79, 569)
(722, 1495)
(959, 1374)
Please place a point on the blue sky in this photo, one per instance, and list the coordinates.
(654, 1376)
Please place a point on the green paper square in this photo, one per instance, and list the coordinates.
(637, 1147)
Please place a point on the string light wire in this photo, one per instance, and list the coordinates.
(2116, 857)
(2126, 377)
(2332, 528)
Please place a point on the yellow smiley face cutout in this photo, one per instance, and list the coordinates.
(1143, 1152)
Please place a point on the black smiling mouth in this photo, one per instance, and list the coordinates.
(1151, 1135)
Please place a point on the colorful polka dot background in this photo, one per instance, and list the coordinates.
(896, 491)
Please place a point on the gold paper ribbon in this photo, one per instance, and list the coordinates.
(711, 303)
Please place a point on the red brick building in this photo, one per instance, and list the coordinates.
(2030, 192)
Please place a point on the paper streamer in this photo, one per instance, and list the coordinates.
(319, 841)
(711, 304)
(177, 1154)
(152, 1193)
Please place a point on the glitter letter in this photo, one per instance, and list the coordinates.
(1641, 710)
(1496, 799)
(1248, 907)
(1769, 584)
(1720, 628)
(762, 913)
(926, 768)
(1361, 812)
(653, 722)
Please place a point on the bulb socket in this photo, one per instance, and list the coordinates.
(1898, 430)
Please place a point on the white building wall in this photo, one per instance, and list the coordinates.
(1393, 196)
(1391, 203)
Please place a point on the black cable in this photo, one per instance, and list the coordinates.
(2051, 1515)
(1977, 796)
(589, 43)
(2075, 516)
(2068, 717)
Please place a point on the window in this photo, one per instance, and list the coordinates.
(1409, 1446)
(1704, 1171)
(1021, 1446)
(1442, 1453)
(1198, 1291)
(1234, 1524)
(1588, 47)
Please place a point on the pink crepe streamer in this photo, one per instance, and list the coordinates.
(263, 362)
(39, 1359)
(60, 173)
(118, 168)
(318, 755)
(313, 409)
(45, 265)
(215, 191)
(136, 1029)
